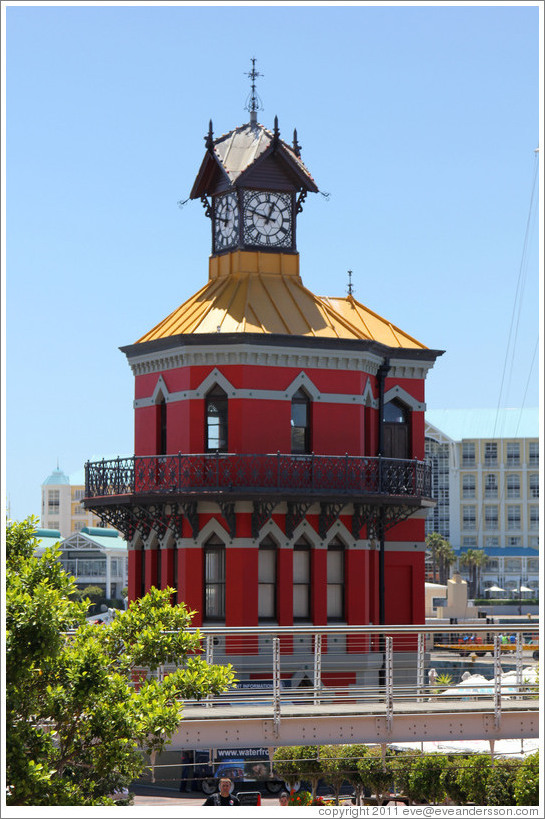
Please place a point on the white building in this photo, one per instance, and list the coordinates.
(486, 482)
(62, 509)
(94, 556)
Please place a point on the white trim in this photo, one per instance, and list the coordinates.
(302, 381)
(403, 395)
(160, 391)
(213, 527)
(273, 529)
(368, 399)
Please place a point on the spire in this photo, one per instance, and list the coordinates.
(350, 287)
(253, 102)
(276, 132)
(296, 146)
(209, 138)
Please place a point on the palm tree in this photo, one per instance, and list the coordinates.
(446, 557)
(474, 560)
(433, 544)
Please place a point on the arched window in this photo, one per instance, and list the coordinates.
(396, 421)
(214, 579)
(216, 420)
(300, 422)
(301, 580)
(266, 604)
(335, 580)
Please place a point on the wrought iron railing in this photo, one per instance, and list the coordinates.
(269, 474)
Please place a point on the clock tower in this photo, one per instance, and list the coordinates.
(278, 475)
(252, 185)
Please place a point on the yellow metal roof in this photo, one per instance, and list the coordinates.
(252, 292)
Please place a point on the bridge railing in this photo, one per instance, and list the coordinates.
(383, 667)
(271, 473)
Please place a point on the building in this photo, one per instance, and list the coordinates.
(279, 472)
(486, 484)
(94, 556)
(62, 507)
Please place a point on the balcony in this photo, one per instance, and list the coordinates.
(239, 476)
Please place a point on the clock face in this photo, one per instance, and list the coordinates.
(267, 219)
(225, 222)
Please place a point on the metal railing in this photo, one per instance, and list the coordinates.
(284, 670)
(235, 473)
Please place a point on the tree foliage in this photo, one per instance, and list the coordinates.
(377, 774)
(526, 790)
(333, 767)
(472, 777)
(76, 727)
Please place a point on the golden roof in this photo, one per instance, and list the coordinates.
(253, 292)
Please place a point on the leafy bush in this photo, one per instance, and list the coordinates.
(424, 781)
(500, 786)
(472, 777)
(527, 781)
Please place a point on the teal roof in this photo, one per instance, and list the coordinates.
(57, 478)
(468, 424)
(97, 530)
(47, 537)
(107, 539)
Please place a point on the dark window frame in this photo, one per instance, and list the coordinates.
(300, 399)
(216, 398)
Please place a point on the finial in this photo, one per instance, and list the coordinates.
(296, 146)
(209, 138)
(276, 132)
(253, 102)
(350, 287)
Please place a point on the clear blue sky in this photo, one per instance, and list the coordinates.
(419, 121)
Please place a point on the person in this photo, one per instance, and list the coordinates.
(224, 797)
(186, 779)
(283, 798)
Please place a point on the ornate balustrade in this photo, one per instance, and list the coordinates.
(239, 474)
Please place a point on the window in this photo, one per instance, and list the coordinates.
(78, 494)
(394, 413)
(533, 453)
(469, 517)
(162, 421)
(301, 580)
(533, 564)
(300, 422)
(266, 602)
(492, 564)
(534, 518)
(513, 454)
(513, 541)
(513, 517)
(534, 485)
(53, 524)
(468, 454)
(469, 542)
(491, 454)
(335, 580)
(512, 564)
(513, 486)
(53, 502)
(216, 420)
(491, 517)
(214, 579)
(79, 525)
(468, 486)
(491, 486)
(533, 541)
(491, 542)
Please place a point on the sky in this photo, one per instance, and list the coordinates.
(421, 122)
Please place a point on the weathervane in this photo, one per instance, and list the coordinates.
(253, 102)
(350, 288)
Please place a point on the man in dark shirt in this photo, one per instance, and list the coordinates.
(224, 797)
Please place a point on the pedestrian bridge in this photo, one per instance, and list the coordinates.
(405, 703)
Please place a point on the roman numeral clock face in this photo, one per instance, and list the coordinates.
(267, 219)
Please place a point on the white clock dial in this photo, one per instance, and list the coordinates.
(267, 219)
(225, 221)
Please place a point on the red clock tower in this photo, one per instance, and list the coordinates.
(279, 473)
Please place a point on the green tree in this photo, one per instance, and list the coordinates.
(285, 764)
(310, 768)
(472, 777)
(402, 766)
(351, 754)
(333, 767)
(500, 786)
(377, 774)
(449, 780)
(424, 781)
(442, 555)
(76, 729)
(474, 560)
(527, 781)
